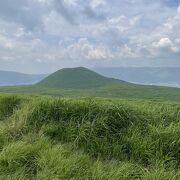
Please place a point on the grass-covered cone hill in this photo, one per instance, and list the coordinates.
(76, 78)
(54, 138)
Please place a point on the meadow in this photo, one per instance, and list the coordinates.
(78, 82)
(128, 91)
(88, 138)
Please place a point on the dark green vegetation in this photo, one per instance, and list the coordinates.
(10, 78)
(84, 82)
(76, 78)
(68, 138)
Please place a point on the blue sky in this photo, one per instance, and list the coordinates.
(41, 36)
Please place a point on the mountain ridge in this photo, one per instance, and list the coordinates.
(10, 78)
(143, 75)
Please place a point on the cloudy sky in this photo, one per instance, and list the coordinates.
(40, 36)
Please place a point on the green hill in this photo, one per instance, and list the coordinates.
(76, 78)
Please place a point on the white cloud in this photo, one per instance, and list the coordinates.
(168, 44)
(178, 9)
(6, 42)
(71, 2)
(97, 3)
(163, 43)
(127, 52)
(83, 49)
(122, 23)
(78, 32)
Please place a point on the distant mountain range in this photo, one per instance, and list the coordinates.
(144, 75)
(9, 78)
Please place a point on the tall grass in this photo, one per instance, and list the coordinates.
(55, 138)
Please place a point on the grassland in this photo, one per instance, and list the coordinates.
(85, 138)
(78, 82)
(126, 91)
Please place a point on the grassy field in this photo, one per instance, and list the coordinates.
(85, 138)
(78, 82)
(130, 91)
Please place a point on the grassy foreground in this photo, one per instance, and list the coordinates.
(56, 138)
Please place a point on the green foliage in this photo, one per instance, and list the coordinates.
(76, 78)
(7, 105)
(68, 138)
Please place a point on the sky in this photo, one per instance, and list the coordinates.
(41, 36)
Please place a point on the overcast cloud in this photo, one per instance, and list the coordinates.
(41, 36)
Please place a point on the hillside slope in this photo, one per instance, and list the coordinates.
(10, 78)
(76, 78)
(45, 138)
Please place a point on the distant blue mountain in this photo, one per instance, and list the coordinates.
(9, 78)
(144, 75)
